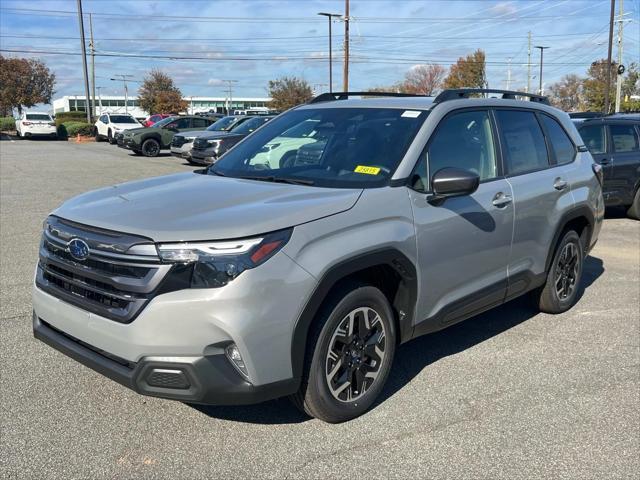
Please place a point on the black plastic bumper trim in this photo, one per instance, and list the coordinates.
(212, 379)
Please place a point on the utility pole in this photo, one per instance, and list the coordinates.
(84, 62)
(126, 89)
(619, 74)
(509, 73)
(329, 17)
(93, 67)
(529, 65)
(542, 49)
(345, 72)
(607, 91)
(230, 93)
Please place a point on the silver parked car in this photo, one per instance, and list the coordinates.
(262, 277)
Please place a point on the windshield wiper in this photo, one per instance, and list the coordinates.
(272, 178)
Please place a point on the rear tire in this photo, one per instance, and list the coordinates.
(349, 355)
(634, 209)
(560, 292)
(97, 135)
(150, 148)
(110, 138)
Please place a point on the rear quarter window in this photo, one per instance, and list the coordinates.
(560, 143)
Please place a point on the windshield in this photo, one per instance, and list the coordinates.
(223, 124)
(163, 122)
(38, 116)
(250, 125)
(330, 147)
(122, 119)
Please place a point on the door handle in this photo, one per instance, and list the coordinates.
(606, 161)
(501, 200)
(560, 184)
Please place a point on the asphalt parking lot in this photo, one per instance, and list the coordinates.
(509, 394)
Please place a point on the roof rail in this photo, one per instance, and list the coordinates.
(330, 97)
(457, 93)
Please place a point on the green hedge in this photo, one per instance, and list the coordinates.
(72, 129)
(7, 123)
(65, 117)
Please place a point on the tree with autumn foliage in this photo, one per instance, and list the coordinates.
(158, 94)
(468, 72)
(24, 82)
(287, 92)
(423, 79)
(595, 86)
(568, 93)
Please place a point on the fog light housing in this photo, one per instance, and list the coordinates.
(233, 354)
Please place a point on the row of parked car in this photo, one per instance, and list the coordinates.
(200, 140)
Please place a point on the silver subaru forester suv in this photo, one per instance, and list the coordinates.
(299, 262)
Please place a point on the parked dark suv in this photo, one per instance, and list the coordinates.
(148, 141)
(614, 142)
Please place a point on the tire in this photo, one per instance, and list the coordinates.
(634, 209)
(368, 351)
(97, 135)
(110, 137)
(560, 292)
(150, 148)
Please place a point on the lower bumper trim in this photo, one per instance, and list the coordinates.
(209, 380)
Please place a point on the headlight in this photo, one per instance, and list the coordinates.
(117, 129)
(214, 264)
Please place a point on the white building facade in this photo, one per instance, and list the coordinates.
(116, 104)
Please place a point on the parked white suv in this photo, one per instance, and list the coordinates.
(111, 123)
(32, 124)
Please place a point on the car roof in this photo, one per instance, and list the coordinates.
(625, 118)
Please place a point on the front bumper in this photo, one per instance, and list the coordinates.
(182, 152)
(210, 380)
(204, 157)
(124, 142)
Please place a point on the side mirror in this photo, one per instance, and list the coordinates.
(452, 182)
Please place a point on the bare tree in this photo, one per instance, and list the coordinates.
(424, 79)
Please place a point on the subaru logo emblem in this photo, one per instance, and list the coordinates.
(78, 249)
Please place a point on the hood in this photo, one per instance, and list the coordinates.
(141, 130)
(192, 133)
(127, 126)
(191, 206)
(218, 134)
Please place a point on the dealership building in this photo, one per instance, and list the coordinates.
(116, 104)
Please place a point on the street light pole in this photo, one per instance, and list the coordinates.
(608, 66)
(330, 18)
(542, 49)
(126, 90)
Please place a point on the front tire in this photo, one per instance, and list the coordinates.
(349, 355)
(150, 148)
(634, 209)
(560, 292)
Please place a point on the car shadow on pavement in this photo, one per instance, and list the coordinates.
(414, 356)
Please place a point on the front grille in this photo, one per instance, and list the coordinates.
(200, 144)
(115, 281)
(178, 141)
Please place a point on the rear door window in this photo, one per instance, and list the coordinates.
(594, 138)
(560, 143)
(525, 149)
(624, 138)
(200, 123)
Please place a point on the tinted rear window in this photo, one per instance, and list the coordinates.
(624, 138)
(38, 116)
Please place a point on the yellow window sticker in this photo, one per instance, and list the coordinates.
(367, 170)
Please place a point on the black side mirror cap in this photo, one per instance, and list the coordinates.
(452, 182)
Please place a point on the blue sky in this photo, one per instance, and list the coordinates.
(253, 41)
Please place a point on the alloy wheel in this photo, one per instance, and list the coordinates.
(355, 355)
(567, 271)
